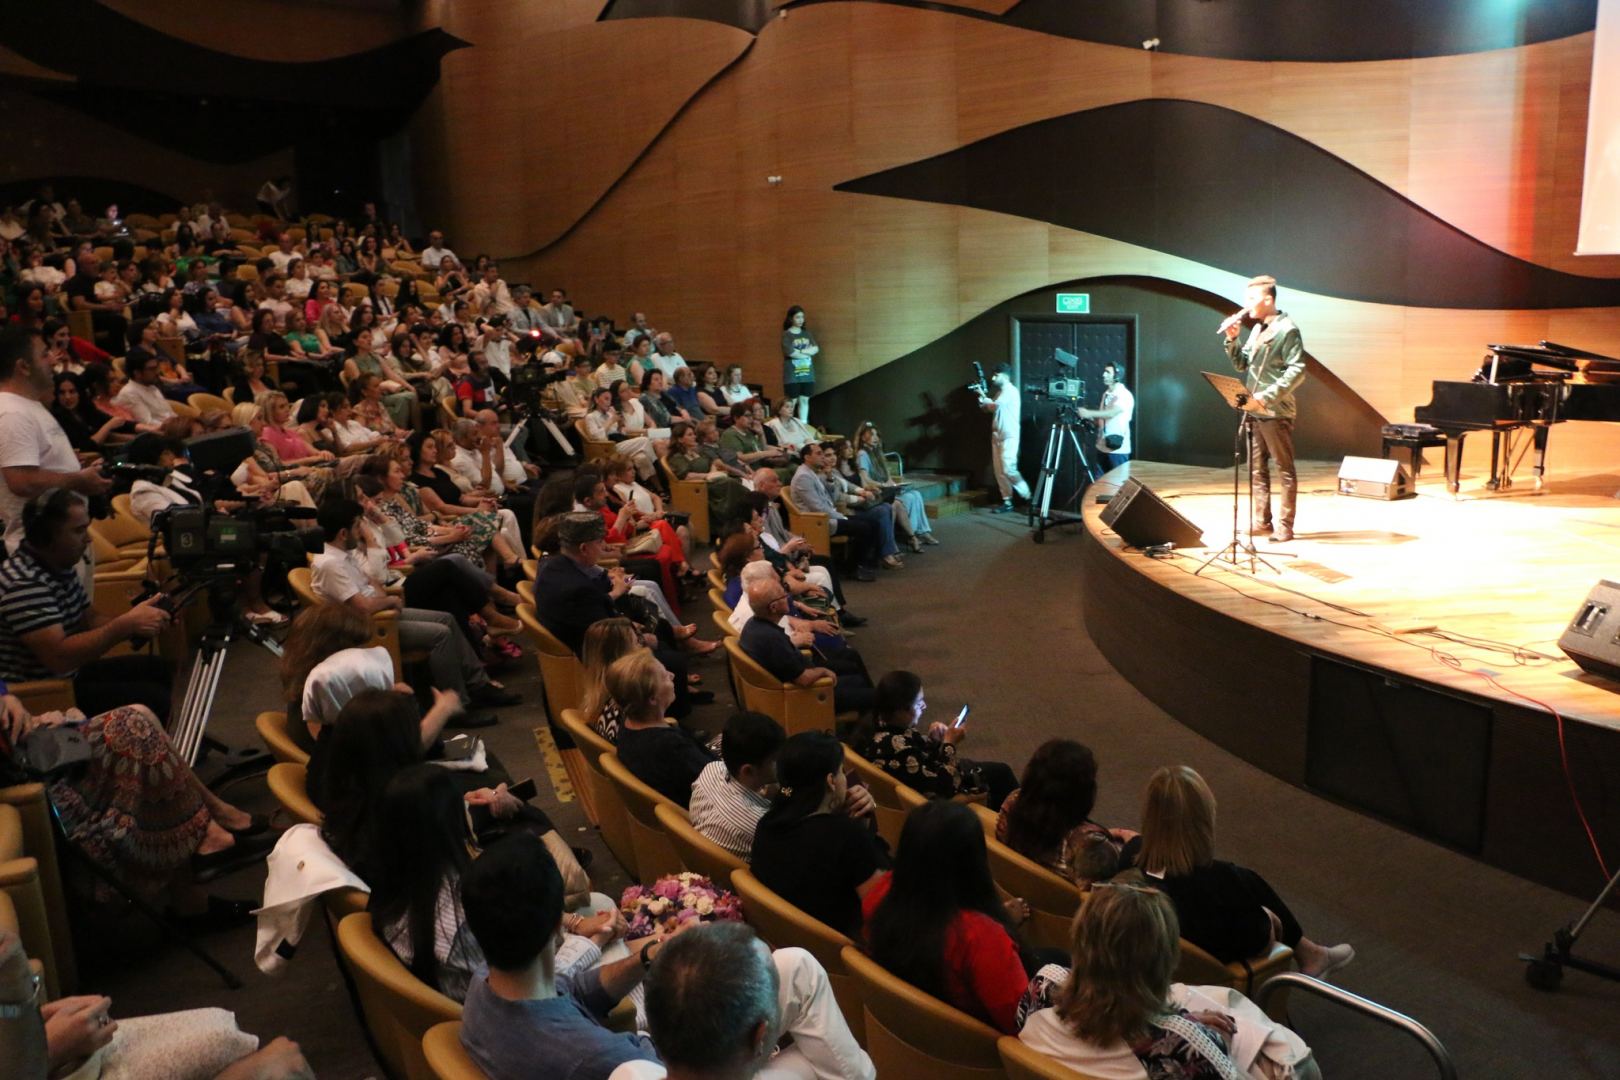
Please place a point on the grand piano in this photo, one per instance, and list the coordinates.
(1520, 389)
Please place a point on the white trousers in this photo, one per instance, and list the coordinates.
(509, 529)
(1004, 459)
(640, 450)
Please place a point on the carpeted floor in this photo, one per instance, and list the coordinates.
(993, 620)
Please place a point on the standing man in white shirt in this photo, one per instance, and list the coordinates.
(1115, 411)
(435, 252)
(142, 397)
(272, 197)
(1006, 411)
(35, 454)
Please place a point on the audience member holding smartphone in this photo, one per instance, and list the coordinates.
(926, 759)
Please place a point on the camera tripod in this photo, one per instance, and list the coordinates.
(190, 721)
(1546, 971)
(1064, 432)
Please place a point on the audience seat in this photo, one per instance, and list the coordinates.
(697, 852)
(594, 449)
(385, 622)
(612, 816)
(447, 410)
(816, 528)
(1023, 1063)
(109, 560)
(81, 324)
(39, 844)
(690, 496)
(655, 852)
(396, 1007)
(287, 782)
(123, 529)
(890, 812)
(1198, 968)
(44, 695)
(913, 1034)
(562, 679)
(796, 708)
(21, 885)
(205, 403)
(278, 738)
(1052, 898)
(716, 581)
(445, 1056)
(784, 926)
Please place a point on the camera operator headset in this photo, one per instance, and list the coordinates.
(999, 397)
(50, 630)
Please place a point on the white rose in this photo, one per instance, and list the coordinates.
(704, 906)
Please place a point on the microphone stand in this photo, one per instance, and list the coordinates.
(1236, 397)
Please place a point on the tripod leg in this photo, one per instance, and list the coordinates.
(1043, 485)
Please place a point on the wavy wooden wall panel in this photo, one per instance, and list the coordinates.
(531, 126)
(21, 67)
(268, 29)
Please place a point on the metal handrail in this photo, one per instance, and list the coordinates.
(1356, 1003)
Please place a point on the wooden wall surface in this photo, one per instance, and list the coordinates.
(1490, 142)
(286, 30)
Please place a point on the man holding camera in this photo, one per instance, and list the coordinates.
(1115, 411)
(48, 629)
(1000, 399)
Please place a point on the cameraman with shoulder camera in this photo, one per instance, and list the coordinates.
(35, 455)
(1000, 399)
(48, 629)
(1115, 411)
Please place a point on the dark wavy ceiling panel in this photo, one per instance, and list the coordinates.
(747, 15)
(1222, 188)
(1316, 30)
(103, 47)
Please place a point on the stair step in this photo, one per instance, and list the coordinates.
(962, 502)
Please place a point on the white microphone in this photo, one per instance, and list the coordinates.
(1232, 320)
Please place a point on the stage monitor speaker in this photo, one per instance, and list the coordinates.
(1142, 519)
(1592, 639)
(1374, 478)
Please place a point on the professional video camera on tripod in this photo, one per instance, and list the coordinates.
(212, 552)
(1065, 392)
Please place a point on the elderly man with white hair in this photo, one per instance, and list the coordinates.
(800, 631)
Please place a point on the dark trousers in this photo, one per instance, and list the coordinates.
(999, 780)
(521, 502)
(865, 539)
(115, 681)
(832, 572)
(1272, 440)
(447, 585)
(1112, 461)
(854, 692)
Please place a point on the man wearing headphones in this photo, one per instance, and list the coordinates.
(48, 629)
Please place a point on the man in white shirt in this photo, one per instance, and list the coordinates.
(336, 575)
(272, 197)
(35, 454)
(728, 797)
(142, 397)
(664, 356)
(275, 283)
(285, 252)
(483, 463)
(435, 252)
(1115, 411)
(1006, 409)
(491, 296)
(638, 328)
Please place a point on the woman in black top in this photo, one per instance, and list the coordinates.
(806, 848)
(246, 387)
(925, 758)
(1227, 910)
(86, 429)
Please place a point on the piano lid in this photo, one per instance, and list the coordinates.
(1580, 354)
(1535, 354)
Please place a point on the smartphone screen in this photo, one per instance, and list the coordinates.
(523, 789)
(961, 717)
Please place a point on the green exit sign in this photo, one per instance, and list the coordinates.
(1074, 303)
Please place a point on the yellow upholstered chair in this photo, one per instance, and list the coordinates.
(815, 527)
(913, 1034)
(716, 579)
(1023, 1063)
(123, 529)
(39, 844)
(288, 783)
(385, 623)
(784, 926)
(21, 885)
(697, 852)
(1052, 898)
(595, 449)
(691, 497)
(563, 679)
(446, 1058)
(612, 816)
(205, 403)
(1198, 968)
(276, 732)
(655, 853)
(396, 1007)
(796, 708)
(890, 810)
(448, 414)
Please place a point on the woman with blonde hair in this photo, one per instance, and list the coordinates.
(605, 642)
(1227, 910)
(263, 474)
(655, 750)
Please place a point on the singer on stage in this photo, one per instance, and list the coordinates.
(1272, 362)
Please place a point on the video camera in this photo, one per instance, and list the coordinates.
(203, 541)
(1061, 388)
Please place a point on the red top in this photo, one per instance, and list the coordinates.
(984, 976)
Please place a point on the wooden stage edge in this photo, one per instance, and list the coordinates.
(1402, 658)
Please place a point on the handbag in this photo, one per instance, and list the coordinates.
(51, 749)
(648, 543)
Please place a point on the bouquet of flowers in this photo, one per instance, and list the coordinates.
(675, 899)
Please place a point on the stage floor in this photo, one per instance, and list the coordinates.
(1438, 589)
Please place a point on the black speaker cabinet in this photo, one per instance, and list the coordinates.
(1142, 519)
(1592, 638)
(1374, 478)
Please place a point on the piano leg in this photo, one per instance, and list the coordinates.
(1500, 465)
(1454, 455)
(1541, 433)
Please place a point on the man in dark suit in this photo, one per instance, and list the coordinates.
(571, 592)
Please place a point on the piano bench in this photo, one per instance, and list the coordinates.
(1414, 444)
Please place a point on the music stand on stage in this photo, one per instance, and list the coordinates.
(1237, 398)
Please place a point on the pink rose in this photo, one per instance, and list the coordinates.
(668, 888)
